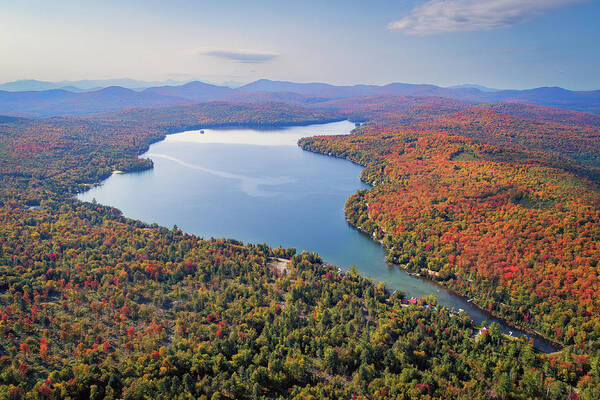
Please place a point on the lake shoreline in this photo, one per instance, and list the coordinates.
(530, 332)
(174, 130)
(527, 330)
(423, 279)
(259, 126)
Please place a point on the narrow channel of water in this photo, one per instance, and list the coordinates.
(259, 186)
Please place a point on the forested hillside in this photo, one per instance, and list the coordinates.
(93, 305)
(502, 207)
(97, 306)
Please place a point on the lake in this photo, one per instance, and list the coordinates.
(259, 186)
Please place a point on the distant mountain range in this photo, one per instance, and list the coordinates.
(473, 86)
(53, 101)
(82, 85)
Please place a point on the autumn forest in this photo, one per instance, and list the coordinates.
(498, 202)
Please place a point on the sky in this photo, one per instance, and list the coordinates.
(497, 43)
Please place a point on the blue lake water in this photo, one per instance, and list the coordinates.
(259, 186)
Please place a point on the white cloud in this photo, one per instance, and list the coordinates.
(245, 57)
(439, 16)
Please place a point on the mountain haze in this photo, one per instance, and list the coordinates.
(77, 102)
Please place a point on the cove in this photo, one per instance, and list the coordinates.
(258, 186)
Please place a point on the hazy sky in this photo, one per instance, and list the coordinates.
(497, 43)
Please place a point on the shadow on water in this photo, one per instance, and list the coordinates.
(259, 186)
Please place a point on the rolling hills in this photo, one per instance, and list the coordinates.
(64, 102)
